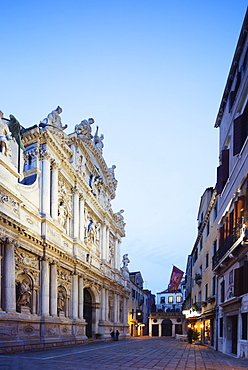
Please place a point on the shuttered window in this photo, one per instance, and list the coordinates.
(240, 131)
(223, 171)
(241, 280)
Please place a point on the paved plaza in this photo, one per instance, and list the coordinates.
(135, 353)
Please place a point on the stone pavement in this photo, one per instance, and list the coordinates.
(135, 354)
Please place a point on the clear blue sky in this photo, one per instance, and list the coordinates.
(151, 74)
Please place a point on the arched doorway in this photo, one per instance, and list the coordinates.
(88, 312)
(166, 328)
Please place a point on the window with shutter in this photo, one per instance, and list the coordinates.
(240, 131)
(219, 180)
(245, 277)
(225, 166)
(238, 281)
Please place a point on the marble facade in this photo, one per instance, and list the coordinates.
(60, 276)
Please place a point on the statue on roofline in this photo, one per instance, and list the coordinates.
(5, 136)
(98, 141)
(84, 128)
(53, 119)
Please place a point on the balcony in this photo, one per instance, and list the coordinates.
(228, 242)
(198, 278)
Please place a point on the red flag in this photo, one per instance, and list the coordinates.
(176, 277)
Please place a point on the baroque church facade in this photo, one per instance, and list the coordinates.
(60, 278)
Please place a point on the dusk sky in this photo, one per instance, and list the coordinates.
(151, 74)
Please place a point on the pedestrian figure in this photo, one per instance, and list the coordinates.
(117, 334)
(190, 335)
(112, 334)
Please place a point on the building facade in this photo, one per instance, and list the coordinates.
(216, 302)
(137, 306)
(230, 262)
(61, 280)
(200, 305)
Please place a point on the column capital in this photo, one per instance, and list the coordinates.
(54, 165)
(44, 155)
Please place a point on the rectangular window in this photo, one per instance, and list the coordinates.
(206, 292)
(170, 299)
(221, 327)
(231, 277)
(214, 248)
(244, 326)
(179, 299)
(240, 130)
(222, 291)
(162, 300)
(207, 260)
(215, 211)
(133, 293)
(213, 285)
(207, 229)
(199, 296)
(201, 244)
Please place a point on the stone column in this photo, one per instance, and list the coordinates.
(9, 277)
(75, 215)
(45, 183)
(81, 298)
(53, 289)
(107, 244)
(117, 254)
(0, 282)
(103, 242)
(44, 287)
(125, 312)
(54, 191)
(75, 296)
(81, 218)
(103, 304)
(116, 308)
(106, 305)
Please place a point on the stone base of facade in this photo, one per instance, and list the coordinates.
(20, 332)
(25, 332)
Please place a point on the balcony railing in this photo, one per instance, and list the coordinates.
(228, 242)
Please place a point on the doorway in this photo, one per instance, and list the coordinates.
(88, 312)
(166, 328)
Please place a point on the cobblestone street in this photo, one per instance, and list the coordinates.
(137, 353)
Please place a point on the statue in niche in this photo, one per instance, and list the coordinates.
(53, 119)
(5, 136)
(80, 162)
(98, 141)
(112, 176)
(61, 301)
(97, 231)
(62, 213)
(97, 183)
(84, 128)
(91, 232)
(23, 293)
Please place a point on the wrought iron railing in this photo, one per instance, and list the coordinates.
(228, 242)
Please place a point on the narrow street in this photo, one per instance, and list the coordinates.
(137, 353)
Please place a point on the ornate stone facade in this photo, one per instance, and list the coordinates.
(60, 276)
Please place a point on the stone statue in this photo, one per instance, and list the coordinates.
(15, 129)
(24, 293)
(53, 119)
(98, 141)
(62, 214)
(5, 136)
(125, 260)
(112, 176)
(61, 301)
(84, 128)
